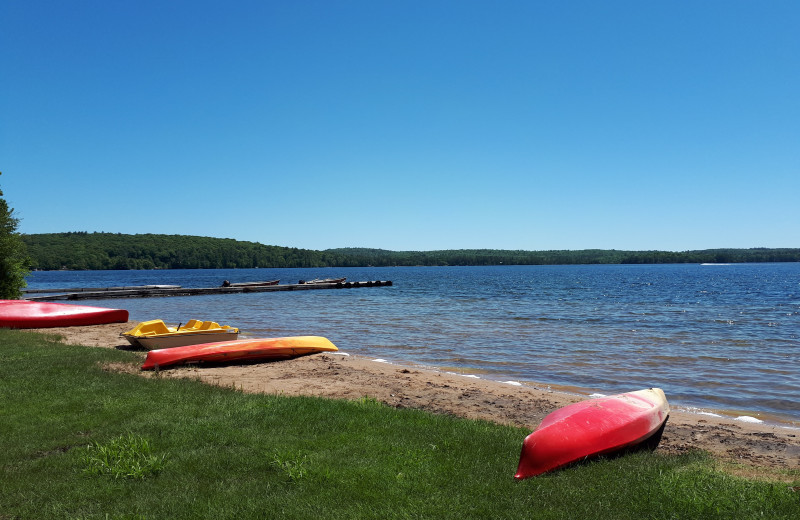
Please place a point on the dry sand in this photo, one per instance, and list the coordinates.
(741, 447)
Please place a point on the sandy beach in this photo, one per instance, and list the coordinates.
(751, 449)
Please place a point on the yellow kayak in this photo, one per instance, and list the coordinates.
(155, 334)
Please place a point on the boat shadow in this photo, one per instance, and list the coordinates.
(230, 363)
(130, 348)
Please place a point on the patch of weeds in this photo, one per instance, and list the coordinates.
(128, 456)
(291, 462)
(368, 402)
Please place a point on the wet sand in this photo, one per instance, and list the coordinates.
(750, 449)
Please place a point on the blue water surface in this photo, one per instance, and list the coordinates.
(712, 336)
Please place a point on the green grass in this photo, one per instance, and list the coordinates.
(80, 442)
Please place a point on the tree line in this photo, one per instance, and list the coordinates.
(465, 257)
(100, 251)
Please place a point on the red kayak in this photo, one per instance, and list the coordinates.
(260, 349)
(594, 427)
(23, 314)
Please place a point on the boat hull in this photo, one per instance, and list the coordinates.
(182, 340)
(260, 349)
(252, 284)
(594, 427)
(155, 334)
(23, 314)
(322, 281)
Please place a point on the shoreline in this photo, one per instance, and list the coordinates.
(747, 448)
(580, 393)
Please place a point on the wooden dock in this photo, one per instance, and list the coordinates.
(145, 291)
(99, 289)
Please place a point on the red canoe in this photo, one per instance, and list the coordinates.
(260, 349)
(594, 427)
(23, 314)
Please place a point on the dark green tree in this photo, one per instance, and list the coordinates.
(14, 260)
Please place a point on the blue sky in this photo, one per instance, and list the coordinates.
(406, 125)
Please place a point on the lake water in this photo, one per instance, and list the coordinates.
(717, 337)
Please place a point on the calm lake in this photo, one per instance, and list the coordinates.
(715, 337)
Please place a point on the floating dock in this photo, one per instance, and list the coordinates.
(145, 291)
(99, 289)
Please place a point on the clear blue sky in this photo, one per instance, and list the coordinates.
(406, 125)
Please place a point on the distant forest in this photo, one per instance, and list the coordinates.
(99, 251)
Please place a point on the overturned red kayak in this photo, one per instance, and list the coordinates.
(594, 427)
(260, 349)
(23, 314)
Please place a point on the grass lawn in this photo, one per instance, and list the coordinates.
(80, 442)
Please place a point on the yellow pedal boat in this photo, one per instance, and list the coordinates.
(155, 334)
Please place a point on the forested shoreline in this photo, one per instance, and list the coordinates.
(100, 251)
